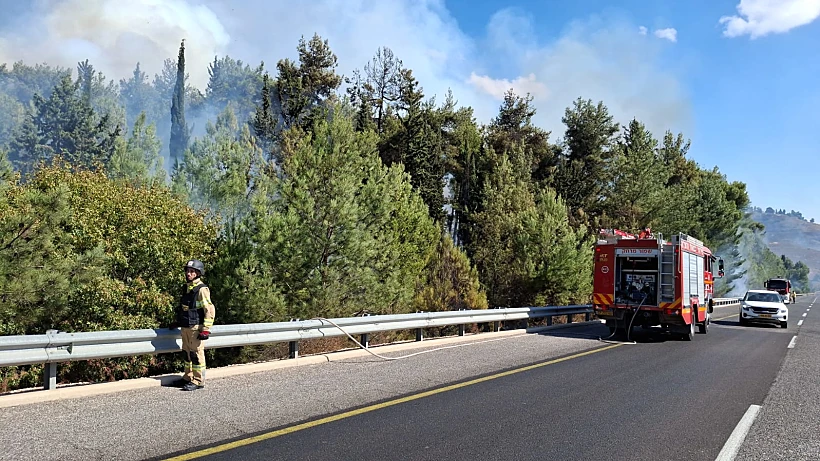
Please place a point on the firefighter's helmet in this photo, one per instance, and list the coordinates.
(196, 265)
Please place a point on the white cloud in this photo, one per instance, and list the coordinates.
(758, 18)
(667, 34)
(642, 30)
(599, 59)
(497, 88)
(605, 62)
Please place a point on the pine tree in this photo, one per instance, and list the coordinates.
(638, 180)
(263, 122)
(179, 130)
(583, 170)
(85, 75)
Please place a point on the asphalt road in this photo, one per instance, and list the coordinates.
(662, 398)
(560, 394)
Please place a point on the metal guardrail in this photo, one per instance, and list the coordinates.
(725, 301)
(54, 347)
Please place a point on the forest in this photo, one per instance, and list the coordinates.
(308, 193)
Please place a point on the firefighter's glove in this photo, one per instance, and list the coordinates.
(204, 335)
(173, 326)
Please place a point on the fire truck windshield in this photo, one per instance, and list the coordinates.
(777, 284)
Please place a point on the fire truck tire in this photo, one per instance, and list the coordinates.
(703, 327)
(691, 335)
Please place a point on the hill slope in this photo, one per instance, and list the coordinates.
(797, 239)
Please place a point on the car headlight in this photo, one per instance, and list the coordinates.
(784, 311)
(744, 306)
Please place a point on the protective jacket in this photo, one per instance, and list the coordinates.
(191, 310)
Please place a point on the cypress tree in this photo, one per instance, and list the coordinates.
(179, 130)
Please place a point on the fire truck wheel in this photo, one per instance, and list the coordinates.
(703, 327)
(691, 335)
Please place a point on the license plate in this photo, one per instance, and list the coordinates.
(766, 316)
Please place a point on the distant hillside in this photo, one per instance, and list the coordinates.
(799, 240)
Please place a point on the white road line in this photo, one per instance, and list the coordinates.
(804, 314)
(791, 343)
(800, 322)
(732, 445)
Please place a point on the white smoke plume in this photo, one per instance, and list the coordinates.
(114, 35)
(601, 58)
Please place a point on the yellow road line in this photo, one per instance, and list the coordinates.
(330, 419)
(724, 318)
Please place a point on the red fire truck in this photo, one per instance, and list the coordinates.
(782, 286)
(645, 280)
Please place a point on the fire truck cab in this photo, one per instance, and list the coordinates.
(648, 281)
(781, 285)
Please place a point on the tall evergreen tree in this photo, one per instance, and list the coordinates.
(264, 121)
(638, 180)
(303, 87)
(179, 129)
(583, 170)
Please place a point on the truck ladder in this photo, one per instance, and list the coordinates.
(667, 271)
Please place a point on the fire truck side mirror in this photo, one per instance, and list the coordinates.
(720, 267)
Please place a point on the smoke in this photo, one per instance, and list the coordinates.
(113, 35)
(601, 58)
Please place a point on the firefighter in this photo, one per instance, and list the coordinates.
(195, 317)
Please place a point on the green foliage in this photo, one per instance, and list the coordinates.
(12, 115)
(64, 125)
(6, 169)
(22, 82)
(450, 281)
(222, 168)
(84, 252)
(525, 249)
(138, 159)
(303, 87)
(180, 135)
(583, 171)
(512, 133)
(340, 232)
(233, 83)
(263, 122)
(639, 178)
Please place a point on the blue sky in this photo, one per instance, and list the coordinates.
(754, 102)
(744, 91)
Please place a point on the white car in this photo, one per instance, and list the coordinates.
(765, 307)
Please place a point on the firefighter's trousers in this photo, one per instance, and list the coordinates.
(194, 352)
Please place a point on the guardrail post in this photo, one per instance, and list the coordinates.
(419, 334)
(587, 317)
(50, 369)
(50, 376)
(549, 320)
(461, 330)
(293, 346)
(569, 319)
(365, 340)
